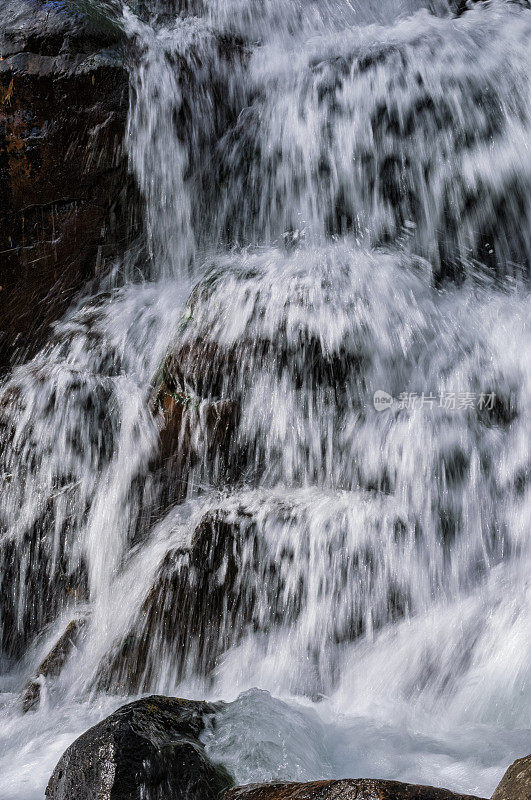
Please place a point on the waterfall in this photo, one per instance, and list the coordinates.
(336, 209)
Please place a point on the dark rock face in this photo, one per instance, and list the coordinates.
(190, 613)
(194, 432)
(516, 783)
(53, 663)
(147, 750)
(63, 105)
(459, 7)
(34, 588)
(204, 370)
(363, 789)
(243, 573)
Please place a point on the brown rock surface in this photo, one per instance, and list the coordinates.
(359, 789)
(63, 180)
(516, 783)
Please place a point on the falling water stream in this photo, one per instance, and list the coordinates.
(336, 205)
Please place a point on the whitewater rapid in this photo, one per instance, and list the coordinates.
(335, 206)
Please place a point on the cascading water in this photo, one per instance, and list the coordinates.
(206, 477)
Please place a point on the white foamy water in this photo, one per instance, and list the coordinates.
(336, 204)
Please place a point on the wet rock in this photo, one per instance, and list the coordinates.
(43, 568)
(269, 331)
(459, 7)
(244, 573)
(361, 789)
(63, 179)
(35, 587)
(279, 350)
(516, 783)
(54, 662)
(198, 605)
(194, 434)
(397, 136)
(49, 28)
(147, 750)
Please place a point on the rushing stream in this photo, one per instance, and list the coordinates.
(336, 207)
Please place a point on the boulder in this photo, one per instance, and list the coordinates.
(360, 789)
(54, 662)
(147, 750)
(64, 189)
(516, 783)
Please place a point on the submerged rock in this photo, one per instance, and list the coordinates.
(516, 783)
(193, 433)
(277, 303)
(147, 750)
(36, 589)
(44, 571)
(198, 605)
(245, 572)
(63, 178)
(360, 789)
(388, 135)
(54, 662)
